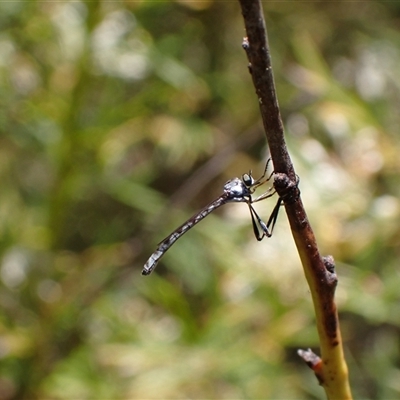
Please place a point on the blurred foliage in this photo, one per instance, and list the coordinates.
(119, 120)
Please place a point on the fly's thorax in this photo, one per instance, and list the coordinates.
(236, 189)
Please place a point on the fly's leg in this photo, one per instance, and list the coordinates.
(260, 228)
(261, 180)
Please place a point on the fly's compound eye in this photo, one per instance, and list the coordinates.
(248, 180)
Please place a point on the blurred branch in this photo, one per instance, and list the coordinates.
(69, 157)
(332, 371)
(193, 186)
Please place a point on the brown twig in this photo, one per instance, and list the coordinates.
(331, 371)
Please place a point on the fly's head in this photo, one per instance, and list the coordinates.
(248, 180)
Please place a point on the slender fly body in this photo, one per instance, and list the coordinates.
(236, 190)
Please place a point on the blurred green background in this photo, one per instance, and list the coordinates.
(121, 119)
